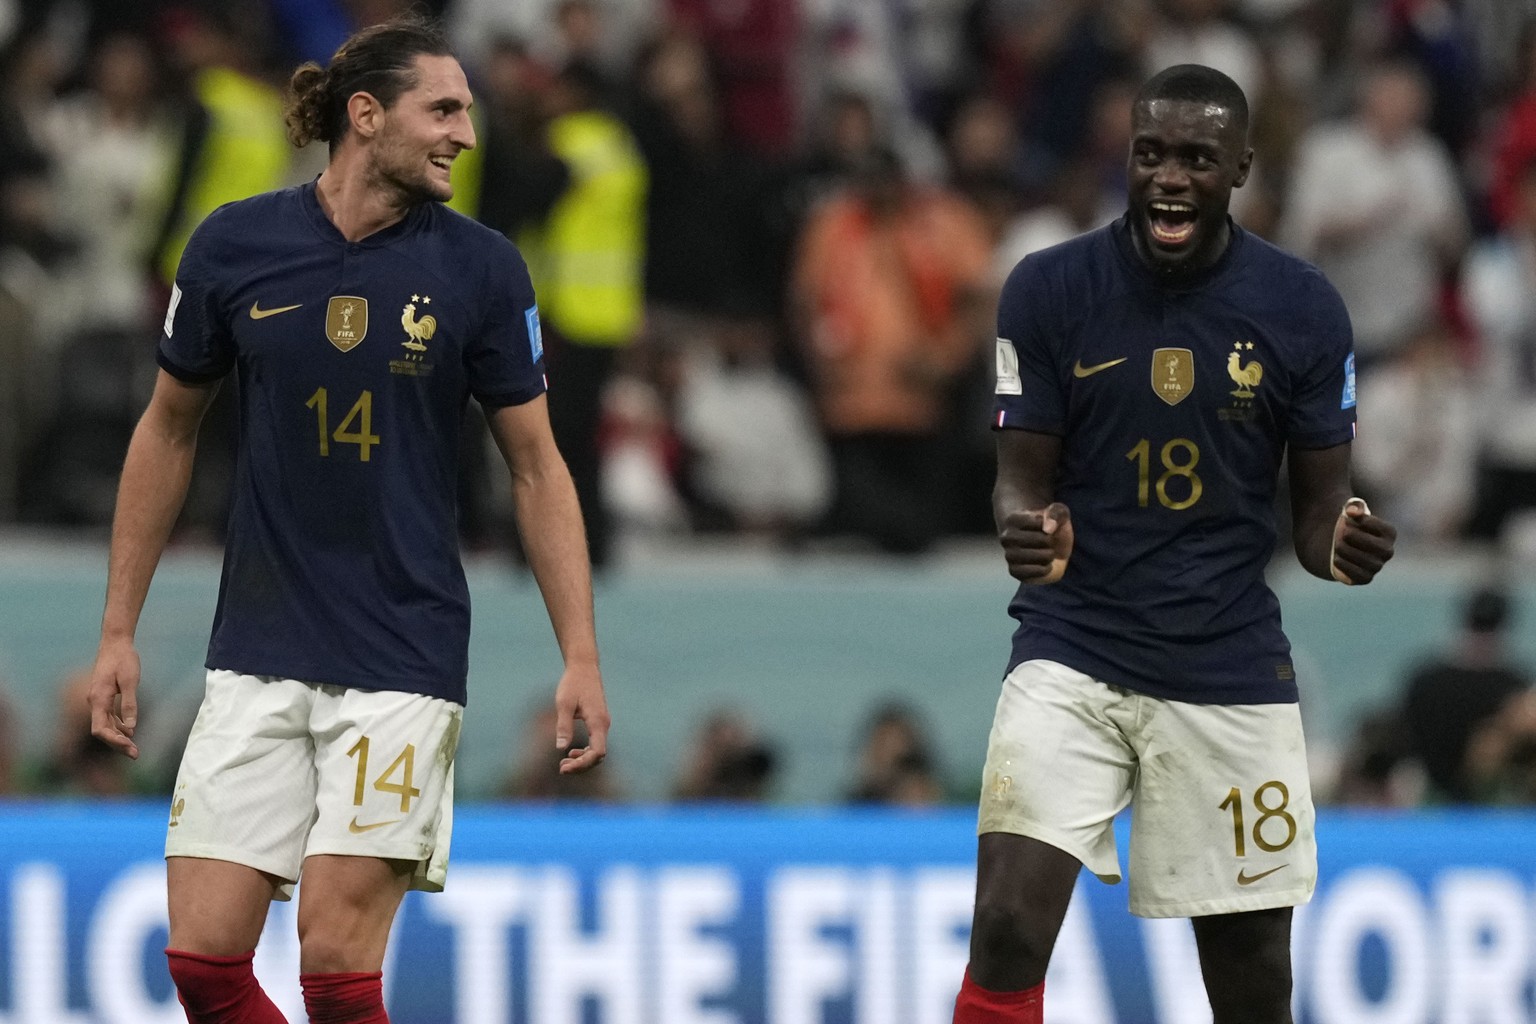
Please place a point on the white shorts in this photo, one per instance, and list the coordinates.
(1222, 822)
(277, 770)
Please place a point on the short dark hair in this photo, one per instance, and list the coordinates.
(1196, 83)
(378, 60)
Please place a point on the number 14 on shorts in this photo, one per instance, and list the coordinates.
(404, 766)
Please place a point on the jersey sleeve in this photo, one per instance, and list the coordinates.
(1323, 407)
(1028, 393)
(504, 361)
(196, 343)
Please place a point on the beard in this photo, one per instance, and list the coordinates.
(403, 177)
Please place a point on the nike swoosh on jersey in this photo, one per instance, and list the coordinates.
(1080, 370)
(354, 827)
(257, 313)
(1243, 878)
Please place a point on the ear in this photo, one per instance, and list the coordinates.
(1244, 165)
(365, 113)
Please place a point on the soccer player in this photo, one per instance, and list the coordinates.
(1151, 375)
(358, 315)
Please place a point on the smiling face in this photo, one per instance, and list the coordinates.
(418, 138)
(1186, 158)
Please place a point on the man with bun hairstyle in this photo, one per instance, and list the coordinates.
(359, 315)
(1151, 376)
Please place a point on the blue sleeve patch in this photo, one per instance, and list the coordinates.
(1348, 401)
(536, 342)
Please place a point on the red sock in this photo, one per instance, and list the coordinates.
(220, 989)
(977, 1005)
(344, 998)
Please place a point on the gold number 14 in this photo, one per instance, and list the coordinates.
(361, 413)
(405, 764)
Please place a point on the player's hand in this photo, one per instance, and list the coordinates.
(1037, 543)
(114, 696)
(1362, 544)
(580, 696)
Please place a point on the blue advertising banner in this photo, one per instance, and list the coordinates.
(651, 916)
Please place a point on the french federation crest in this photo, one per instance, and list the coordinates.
(1173, 374)
(346, 321)
(1246, 376)
(418, 331)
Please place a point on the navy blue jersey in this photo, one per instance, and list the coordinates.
(1174, 408)
(354, 364)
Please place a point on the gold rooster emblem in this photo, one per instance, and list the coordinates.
(1245, 377)
(419, 331)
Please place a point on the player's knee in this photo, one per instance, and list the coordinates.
(210, 987)
(326, 950)
(1006, 933)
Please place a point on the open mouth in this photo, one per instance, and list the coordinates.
(442, 163)
(1171, 221)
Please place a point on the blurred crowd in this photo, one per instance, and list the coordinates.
(726, 757)
(1460, 729)
(767, 235)
(767, 238)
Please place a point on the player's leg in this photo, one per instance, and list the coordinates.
(217, 910)
(1246, 962)
(1058, 771)
(346, 907)
(239, 812)
(1224, 834)
(1023, 887)
(385, 799)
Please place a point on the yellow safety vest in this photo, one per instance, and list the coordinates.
(588, 259)
(245, 152)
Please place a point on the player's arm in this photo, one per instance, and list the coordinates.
(549, 521)
(156, 473)
(1335, 535)
(1034, 529)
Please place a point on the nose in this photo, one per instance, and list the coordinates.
(1171, 177)
(463, 133)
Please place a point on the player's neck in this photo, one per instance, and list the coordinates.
(354, 204)
(1180, 274)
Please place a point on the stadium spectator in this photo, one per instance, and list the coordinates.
(113, 149)
(1379, 767)
(1203, 32)
(1417, 459)
(890, 295)
(1049, 59)
(640, 460)
(726, 761)
(1499, 285)
(233, 144)
(1376, 203)
(587, 262)
(755, 462)
(339, 656)
(723, 250)
(1501, 755)
(1448, 700)
(1513, 136)
(896, 761)
(1078, 203)
(753, 43)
